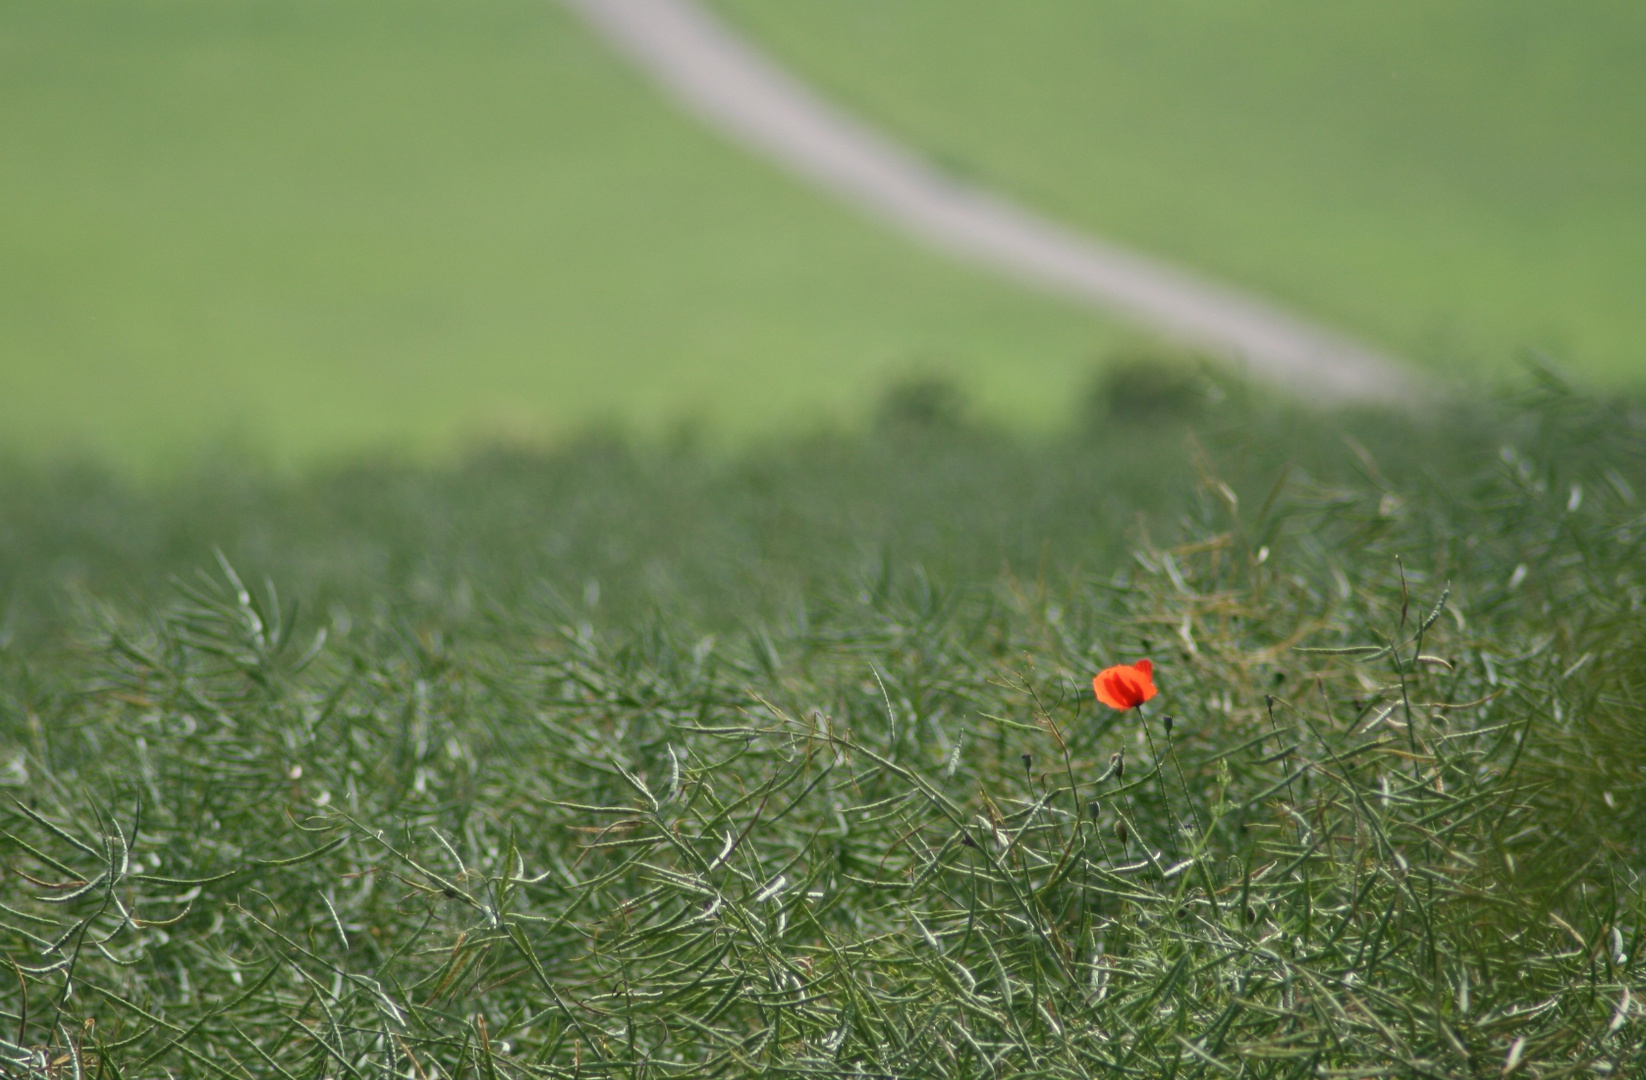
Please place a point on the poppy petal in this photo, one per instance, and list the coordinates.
(1125, 687)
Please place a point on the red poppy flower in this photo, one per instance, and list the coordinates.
(1125, 687)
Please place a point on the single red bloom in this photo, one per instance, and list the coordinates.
(1125, 687)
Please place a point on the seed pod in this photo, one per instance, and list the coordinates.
(1028, 760)
(1168, 722)
(1120, 831)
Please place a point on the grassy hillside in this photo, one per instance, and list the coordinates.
(311, 228)
(1457, 180)
(692, 785)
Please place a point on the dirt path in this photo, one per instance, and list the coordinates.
(734, 88)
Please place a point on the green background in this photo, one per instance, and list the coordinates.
(1456, 179)
(317, 229)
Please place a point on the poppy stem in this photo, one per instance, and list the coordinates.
(1183, 781)
(1172, 825)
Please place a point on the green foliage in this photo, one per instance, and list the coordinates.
(878, 826)
(715, 538)
(1153, 387)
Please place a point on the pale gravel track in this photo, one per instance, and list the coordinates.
(734, 88)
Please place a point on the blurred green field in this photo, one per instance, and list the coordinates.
(311, 228)
(1457, 180)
